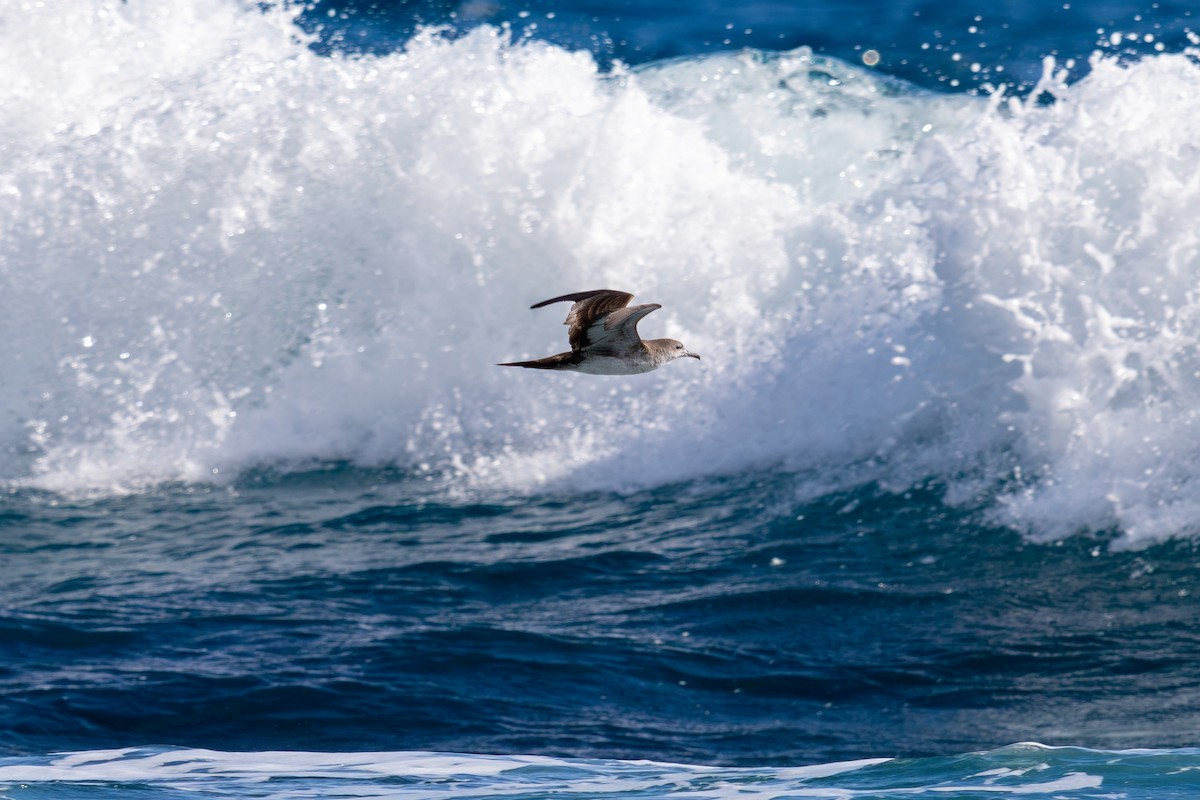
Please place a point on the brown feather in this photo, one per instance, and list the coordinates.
(588, 308)
(560, 361)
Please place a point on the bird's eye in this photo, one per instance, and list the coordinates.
(678, 347)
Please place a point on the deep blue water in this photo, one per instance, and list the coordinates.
(274, 525)
(715, 622)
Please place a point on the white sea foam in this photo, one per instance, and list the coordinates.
(218, 249)
(1023, 770)
(412, 775)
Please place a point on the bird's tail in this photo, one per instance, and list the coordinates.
(560, 361)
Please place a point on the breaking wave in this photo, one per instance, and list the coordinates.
(220, 250)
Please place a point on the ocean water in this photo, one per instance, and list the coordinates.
(922, 522)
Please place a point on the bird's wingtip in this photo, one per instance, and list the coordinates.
(575, 297)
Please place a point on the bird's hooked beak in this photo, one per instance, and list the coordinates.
(693, 355)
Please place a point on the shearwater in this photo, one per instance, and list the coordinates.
(604, 338)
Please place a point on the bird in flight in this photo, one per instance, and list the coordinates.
(604, 339)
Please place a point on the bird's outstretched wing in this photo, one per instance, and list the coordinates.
(616, 334)
(599, 321)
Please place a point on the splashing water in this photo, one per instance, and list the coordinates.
(221, 250)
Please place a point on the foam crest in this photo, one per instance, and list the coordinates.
(222, 250)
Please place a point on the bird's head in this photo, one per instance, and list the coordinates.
(674, 349)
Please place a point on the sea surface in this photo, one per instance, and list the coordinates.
(923, 522)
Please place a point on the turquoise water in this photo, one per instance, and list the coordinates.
(274, 525)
